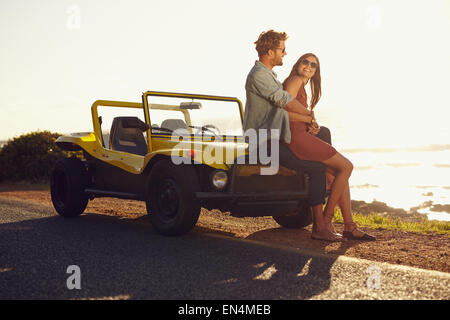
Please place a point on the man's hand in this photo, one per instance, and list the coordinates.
(297, 107)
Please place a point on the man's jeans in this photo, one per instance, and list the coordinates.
(324, 134)
(315, 169)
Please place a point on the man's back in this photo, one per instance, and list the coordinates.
(265, 101)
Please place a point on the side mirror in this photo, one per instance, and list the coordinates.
(190, 105)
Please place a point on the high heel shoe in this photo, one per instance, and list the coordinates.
(350, 236)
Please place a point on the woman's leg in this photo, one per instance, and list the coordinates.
(318, 224)
(320, 230)
(344, 203)
(330, 177)
(343, 169)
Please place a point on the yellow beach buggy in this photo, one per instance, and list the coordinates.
(178, 153)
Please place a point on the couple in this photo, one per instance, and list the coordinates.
(307, 146)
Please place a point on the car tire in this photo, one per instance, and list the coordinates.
(301, 218)
(170, 198)
(67, 184)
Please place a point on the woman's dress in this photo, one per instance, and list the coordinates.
(305, 145)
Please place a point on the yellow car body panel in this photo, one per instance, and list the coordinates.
(91, 144)
(217, 154)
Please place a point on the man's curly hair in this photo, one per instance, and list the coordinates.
(269, 40)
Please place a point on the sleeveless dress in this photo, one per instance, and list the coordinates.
(305, 145)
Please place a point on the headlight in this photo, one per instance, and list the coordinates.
(219, 179)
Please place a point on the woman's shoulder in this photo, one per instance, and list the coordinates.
(293, 80)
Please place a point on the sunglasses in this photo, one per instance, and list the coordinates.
(307, 62)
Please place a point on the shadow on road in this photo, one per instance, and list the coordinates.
(126, 258)
(301, 238)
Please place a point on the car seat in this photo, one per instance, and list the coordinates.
(127, 135)
(174, 124)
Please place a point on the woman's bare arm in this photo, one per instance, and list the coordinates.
(292, 86)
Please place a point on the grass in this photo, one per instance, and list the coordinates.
(376, 220)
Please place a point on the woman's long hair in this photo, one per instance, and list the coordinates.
(315, 81)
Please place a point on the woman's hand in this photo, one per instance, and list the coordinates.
(313, 128)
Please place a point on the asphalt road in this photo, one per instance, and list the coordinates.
(126, 259)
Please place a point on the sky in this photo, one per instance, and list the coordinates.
(384, 63)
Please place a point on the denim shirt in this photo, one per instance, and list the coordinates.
(266, 98)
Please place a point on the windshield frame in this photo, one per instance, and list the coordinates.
(146, 103)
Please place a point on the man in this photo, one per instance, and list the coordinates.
(267, 107)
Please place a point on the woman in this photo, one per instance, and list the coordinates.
(307, 146)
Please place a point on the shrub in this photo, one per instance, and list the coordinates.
(30, 157)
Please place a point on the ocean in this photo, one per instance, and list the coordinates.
(413, 179)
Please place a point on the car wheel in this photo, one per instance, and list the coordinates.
(67, 184)
(170, 198)
(300, 219)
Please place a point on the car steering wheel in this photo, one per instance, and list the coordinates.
(209, 127)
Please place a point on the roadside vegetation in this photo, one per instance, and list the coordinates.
(30, 157)
(378, 220)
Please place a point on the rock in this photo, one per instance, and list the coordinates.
(441, 208)
(383, 209)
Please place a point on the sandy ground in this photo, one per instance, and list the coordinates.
(431, 251)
